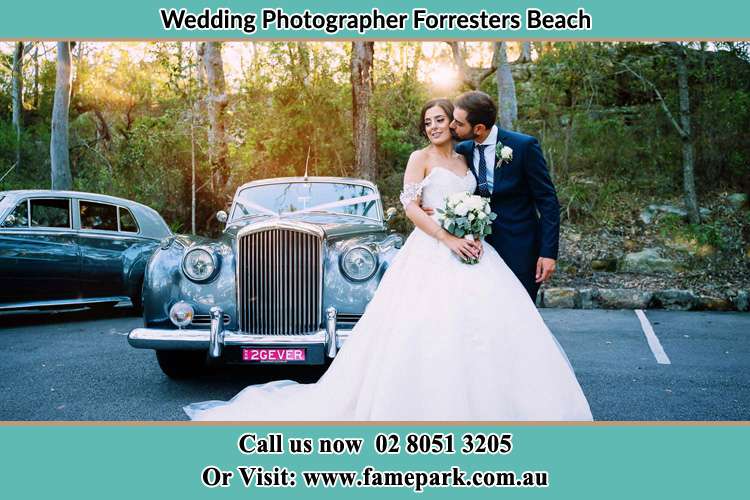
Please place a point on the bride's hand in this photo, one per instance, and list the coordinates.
(463, 248)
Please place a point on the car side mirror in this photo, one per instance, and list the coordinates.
(9, 221)
(221, 216)
(390, 214)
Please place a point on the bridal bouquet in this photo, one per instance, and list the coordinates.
(467, 216)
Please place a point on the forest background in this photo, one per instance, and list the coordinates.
(648, 143)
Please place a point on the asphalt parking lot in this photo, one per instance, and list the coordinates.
(78, 366)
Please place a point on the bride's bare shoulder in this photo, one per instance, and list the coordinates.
(419, 155)
(417, 165)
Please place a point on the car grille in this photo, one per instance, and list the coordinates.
(279, 282)
(205, 320)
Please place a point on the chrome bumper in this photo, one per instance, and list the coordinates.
(216, 338)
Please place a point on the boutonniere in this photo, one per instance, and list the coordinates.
(503, 154)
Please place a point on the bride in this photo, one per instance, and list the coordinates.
(440, 340)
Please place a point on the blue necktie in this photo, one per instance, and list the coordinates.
(482, 188)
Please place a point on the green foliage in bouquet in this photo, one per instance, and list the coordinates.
(467, 216)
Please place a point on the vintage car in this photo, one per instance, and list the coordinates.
(293, 271)
(62, 248)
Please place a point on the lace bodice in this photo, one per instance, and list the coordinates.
(438, 184)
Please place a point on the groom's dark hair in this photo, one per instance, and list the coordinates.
(479, 107)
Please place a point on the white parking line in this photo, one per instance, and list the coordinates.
(652, 339)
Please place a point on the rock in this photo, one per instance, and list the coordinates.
(587, 298)
(606, 264)
(648, 214)
(691, 246)
(676, 300)
(714, 303)
(630, 245)
(742, 300)
(647, 261)
(540, 298)
(565, 298)
(621, 298)
(737, 200)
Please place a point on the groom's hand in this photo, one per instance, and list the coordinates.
(544, 269)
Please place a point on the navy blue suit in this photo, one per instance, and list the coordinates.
(528, 213)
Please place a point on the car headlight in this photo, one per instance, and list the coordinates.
(199, 264)
(359, 264)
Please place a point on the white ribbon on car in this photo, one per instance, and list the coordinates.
(316, 208)
(340, 203)
(259, 208)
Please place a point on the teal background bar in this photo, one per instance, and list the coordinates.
(584, 462)
(139, 19)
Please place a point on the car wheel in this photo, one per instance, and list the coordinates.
(181, 364)
(137, 299)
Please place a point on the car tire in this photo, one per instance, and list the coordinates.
(137, 299)
(181, 364)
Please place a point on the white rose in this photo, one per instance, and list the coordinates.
(487, 208)
(481, 215)
(446, 223)
(461, 209)
(471, 216)
(477, 202)
(506, 153)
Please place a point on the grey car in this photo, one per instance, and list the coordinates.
(297, 263)
(65, 248)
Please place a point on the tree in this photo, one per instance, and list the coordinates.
(506, 88)
(59, 153)
(470, 76)
(365, 159)
(217, 102)
(683, 127)
(525, 52)
(17, 95)
(686, 136)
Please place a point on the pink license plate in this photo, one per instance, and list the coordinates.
(266, 355)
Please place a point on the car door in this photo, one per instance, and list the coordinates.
(103, 250)
(39, 258)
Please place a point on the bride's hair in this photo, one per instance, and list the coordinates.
(443, 103)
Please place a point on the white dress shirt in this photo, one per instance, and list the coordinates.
(489, 156)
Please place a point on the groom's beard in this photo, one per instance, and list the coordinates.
(457, 137)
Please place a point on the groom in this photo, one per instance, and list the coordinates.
(511, 171)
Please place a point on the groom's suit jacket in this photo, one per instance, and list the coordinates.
(523, 197)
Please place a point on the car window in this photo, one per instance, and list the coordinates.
(127, 221)
(50, 213)
(19, 217)
(341, 198)
(98, 216)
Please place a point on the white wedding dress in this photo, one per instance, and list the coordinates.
(440, 340)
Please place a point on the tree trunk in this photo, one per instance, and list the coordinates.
(506, 89)
(688, 177)
(217, 103)
(36, 77)
(17, 98)
(525, 52)
(365, 162)
(469, 76)
(59, 154)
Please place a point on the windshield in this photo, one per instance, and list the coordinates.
(306, 197)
